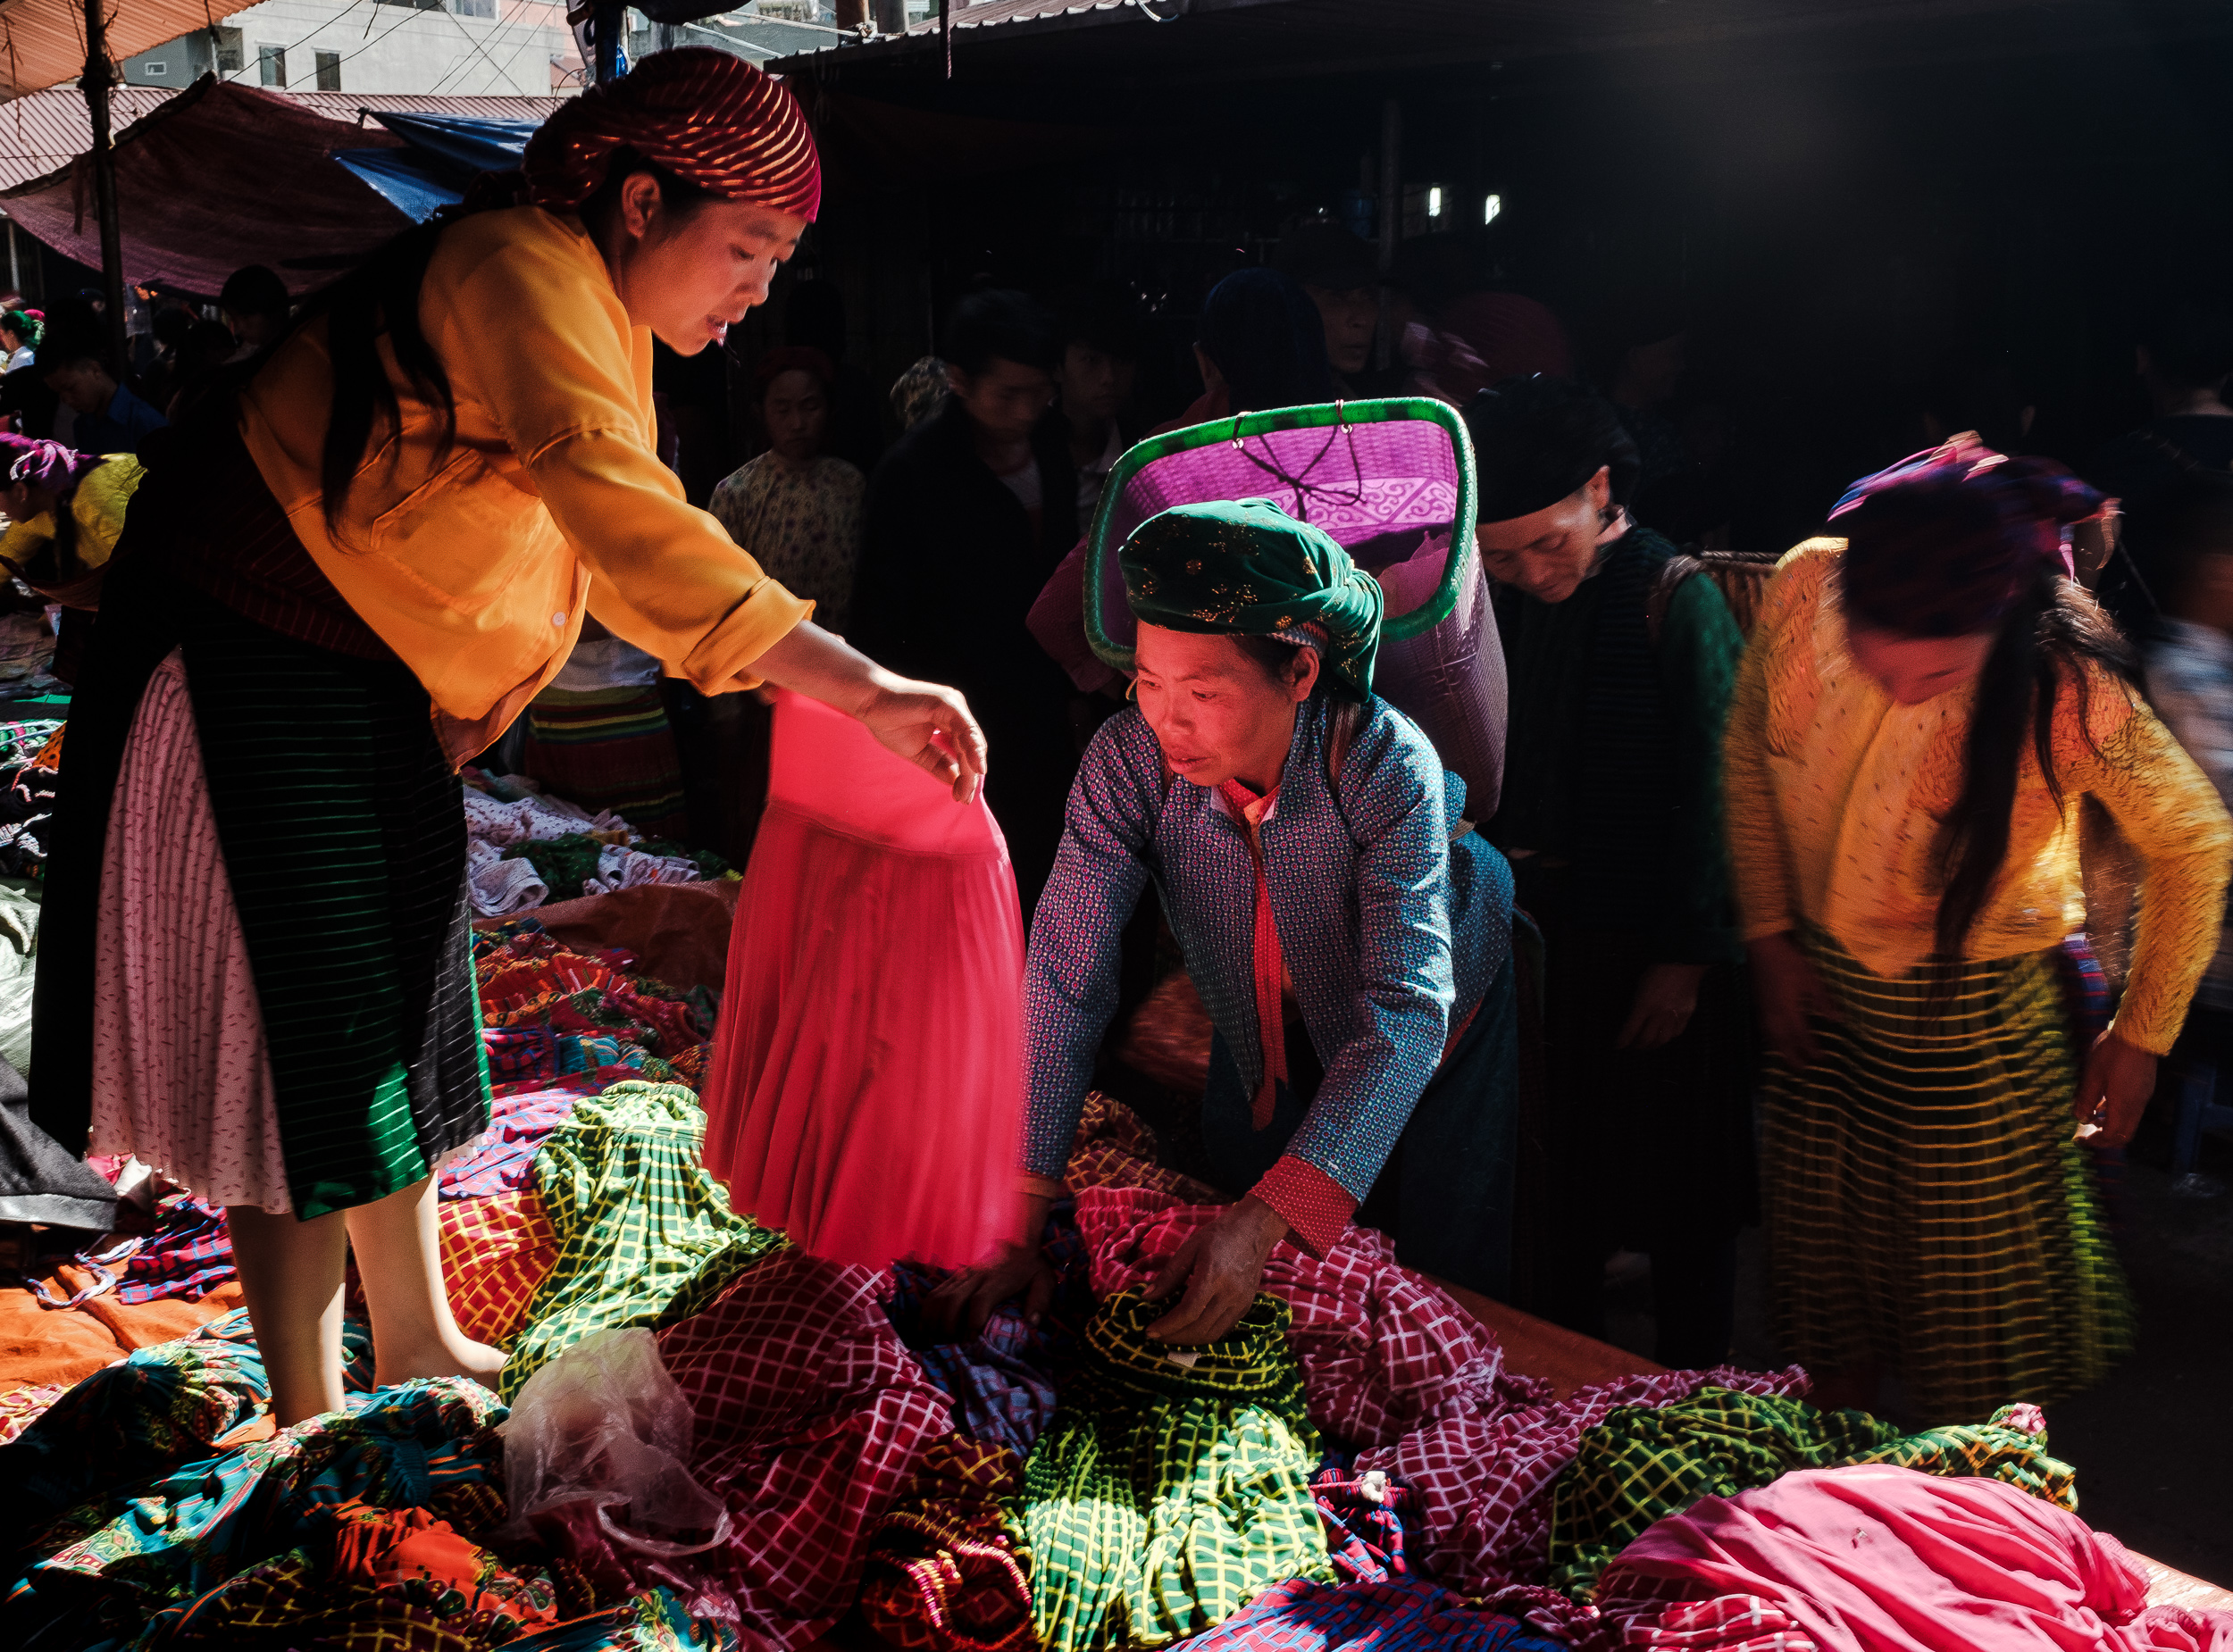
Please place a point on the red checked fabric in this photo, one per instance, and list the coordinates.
(495, 1252)
(1733, 1623)
(1382, 1349)
(811, 1417)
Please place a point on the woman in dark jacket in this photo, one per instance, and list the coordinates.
(1621, 660)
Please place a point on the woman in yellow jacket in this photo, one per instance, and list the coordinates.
(65, 512)
(1921, 707)
(332, 592)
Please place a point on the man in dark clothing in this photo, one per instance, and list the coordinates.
(1100, 355)
(73, 361)
(2185, 356)
(1340, 271)
(966, 517)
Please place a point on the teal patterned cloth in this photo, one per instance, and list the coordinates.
(1173, 1485)
(645, 1235)
(140, 1418)
(182, 1534)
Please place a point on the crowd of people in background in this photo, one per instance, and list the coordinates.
(939, 526)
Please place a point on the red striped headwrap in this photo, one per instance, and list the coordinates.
(706, 116)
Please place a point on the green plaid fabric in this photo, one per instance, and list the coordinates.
(1995, 1451)
(645, 1235)
(1173, 1485)
(1643, 1462)
(1927, 1208)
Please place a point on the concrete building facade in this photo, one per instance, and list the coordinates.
(479, 47)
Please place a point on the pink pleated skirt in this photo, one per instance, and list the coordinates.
(865, 1094)
(181, 1075)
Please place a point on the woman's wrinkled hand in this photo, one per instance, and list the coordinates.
(1789, 992)
(2113, 1092)
(1222, 1267)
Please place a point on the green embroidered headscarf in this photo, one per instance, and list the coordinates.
(1245, 566)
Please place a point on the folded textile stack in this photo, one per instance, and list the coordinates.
(525, 848)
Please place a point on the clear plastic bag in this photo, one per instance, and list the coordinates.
(604, 1424)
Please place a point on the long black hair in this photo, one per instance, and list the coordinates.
(2048, 644)
(381, 297)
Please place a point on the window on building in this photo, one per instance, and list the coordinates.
(474, 8)
(155, 68)
(228, 51)
(329, 70)
(270, 65)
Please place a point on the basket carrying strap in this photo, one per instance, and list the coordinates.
(1670, 580)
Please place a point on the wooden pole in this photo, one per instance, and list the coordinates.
(99, 76)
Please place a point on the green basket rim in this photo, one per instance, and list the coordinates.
(1238, 427)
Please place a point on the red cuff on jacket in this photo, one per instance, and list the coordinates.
(1316, 1207)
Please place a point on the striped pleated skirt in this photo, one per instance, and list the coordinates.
(1929, 1212)
(260, 974)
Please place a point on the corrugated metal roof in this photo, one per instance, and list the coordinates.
(756, 38)
(985, 13)
(49, 129)
(42, 42)
(1217, 41)
(343, 105)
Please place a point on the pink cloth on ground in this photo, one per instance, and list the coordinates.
(865, 1094)
(181, 1075)
(1875, 1558)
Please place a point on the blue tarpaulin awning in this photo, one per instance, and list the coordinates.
(446, 154)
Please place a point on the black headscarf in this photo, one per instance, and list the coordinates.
(1536, 439)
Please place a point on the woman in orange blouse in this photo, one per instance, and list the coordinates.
(340, 582)
(1922, 705)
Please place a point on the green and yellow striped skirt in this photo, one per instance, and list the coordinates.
(1927, 1209)
(609, 748)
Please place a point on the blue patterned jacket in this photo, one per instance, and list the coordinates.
(1391, 933)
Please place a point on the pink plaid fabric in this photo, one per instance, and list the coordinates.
(810, 1418)
(1393, 1364)
(1484, 1478)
